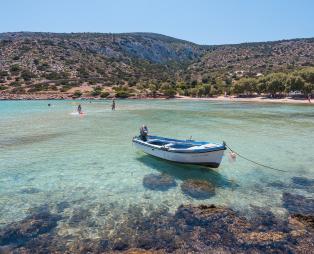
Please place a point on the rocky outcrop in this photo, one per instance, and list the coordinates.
(190, 229)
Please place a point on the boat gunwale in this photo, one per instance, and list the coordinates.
(205, 150)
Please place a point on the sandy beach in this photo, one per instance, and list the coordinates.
(68, 96)
(254, 99)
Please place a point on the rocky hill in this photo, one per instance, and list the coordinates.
(254, 58)
(63, 63)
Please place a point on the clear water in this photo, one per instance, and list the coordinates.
(48, 155)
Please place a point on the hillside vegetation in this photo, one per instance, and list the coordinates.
(147, 64)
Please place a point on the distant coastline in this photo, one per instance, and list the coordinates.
(63, 96)
(146, 65)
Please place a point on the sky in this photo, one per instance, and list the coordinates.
(200, 21)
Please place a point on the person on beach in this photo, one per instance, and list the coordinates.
(79, 109)
(113, 106)
(309, 97)
(49, 104)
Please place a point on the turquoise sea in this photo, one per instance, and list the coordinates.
(50, 157)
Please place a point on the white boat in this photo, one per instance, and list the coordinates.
(183, 151)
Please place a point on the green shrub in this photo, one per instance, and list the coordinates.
(97, 91)
(104, 94)
(3, 74)
(15, 83)
(57, 75)
(77, 94)
(15, 69)
(27, 75)
(18, 90)
(53, 87)
(123, 94)
(65, 88)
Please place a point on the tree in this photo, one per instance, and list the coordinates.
(295, 83)
(193, 91)
(153, 90)
(193, 83)
(276, 83)
(307, 74)
(308, 88)
(246, 86)
(200, 91)
(170, 92)
(205, 79)
(213, 90)
(207, 89)
(261, 85)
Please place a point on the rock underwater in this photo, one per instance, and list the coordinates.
(190, 229)
(198, 189)
(160, 182)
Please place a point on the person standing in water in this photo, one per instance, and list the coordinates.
(113, 106)
(79, 109)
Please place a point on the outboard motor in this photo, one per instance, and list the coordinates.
(143, 133)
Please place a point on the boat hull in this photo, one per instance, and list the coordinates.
(211, 158)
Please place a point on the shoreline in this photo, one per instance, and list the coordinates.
(286, 100)
(260, 99)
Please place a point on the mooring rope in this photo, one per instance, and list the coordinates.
(257, 163)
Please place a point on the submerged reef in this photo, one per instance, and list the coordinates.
(299, 183)
(303, 183)
(30, 228)
(190, 229)
(298, 204)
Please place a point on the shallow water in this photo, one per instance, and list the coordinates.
(49, 156)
